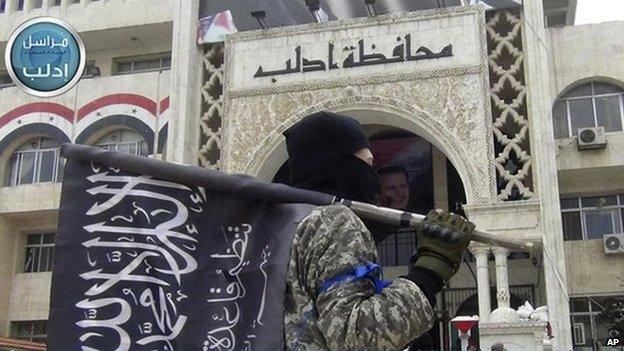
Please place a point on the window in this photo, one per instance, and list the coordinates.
(124, 141)
(39, 253)
(397, 249)
(590, 329)
(5, 80)
(589, 105)
(91, 70)
(592, 217)
(35, 331)
(37, 161)
(148, 63)
(579, 333)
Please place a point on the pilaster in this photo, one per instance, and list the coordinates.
(481, 253)
(545, 171)
(186, 75)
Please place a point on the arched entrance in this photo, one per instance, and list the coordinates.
(415, 176)
(271, 154)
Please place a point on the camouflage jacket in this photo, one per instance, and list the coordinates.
(346, 314)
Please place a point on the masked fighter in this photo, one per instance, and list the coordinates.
(335, 298)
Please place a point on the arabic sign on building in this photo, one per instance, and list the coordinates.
(45, 57)
(354, 48)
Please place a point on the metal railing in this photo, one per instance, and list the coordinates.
(25, 6)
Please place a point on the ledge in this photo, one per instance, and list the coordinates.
(30, 198)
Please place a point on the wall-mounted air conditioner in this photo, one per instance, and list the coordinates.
(613, 243)
(591, 138)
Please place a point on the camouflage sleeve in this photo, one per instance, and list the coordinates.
(351, 315)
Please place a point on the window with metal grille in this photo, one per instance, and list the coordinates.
(592, 217)
(35, 331)
(579, 333)
(124, 140)
(147, 63)
(37, 161)
(39, 253)
(590, 329)
(586, 106)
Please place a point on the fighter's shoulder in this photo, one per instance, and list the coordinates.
(333, 216)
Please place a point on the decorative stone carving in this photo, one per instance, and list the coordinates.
(212, 107)
(448, 107)
(508, 94)
(450, 104)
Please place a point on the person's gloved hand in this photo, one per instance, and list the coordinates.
(441, 241)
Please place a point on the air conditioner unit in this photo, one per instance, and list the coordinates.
(591, 138)
(613, 243)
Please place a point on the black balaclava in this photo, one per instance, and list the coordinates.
(320, 149)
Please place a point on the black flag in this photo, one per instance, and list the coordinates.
(157, 256)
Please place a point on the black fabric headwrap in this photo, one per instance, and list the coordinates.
(320, 149)
(320, 139)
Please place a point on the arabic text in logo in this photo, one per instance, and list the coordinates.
(45, 56)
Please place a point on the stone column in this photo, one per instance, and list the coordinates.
(186, 75)
(28, 5)
(502, 277)
(7, 271)
(481, 253)
(440, 183)
(544, 164)
(10, 6)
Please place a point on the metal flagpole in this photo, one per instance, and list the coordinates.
(254, 188)
(413, 220)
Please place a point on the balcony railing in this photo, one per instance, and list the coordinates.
(12, 6)
(85, 15)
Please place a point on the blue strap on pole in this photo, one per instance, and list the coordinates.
(369, 270)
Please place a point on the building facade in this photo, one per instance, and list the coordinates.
(489, 126)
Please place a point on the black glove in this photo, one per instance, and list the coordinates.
(441, 241)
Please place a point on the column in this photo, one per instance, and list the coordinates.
(186, 75)
(440, 183)
(502, 276)
(481, 253)
(28, 5)
(7, 270)
(544, 164)
(10, 6)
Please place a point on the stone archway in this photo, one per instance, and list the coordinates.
(454, 142)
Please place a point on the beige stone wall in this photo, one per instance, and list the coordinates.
(24, 210)
(580, 54)
(8, 258)
(585, 52)
(591, 272)
(30, 296)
